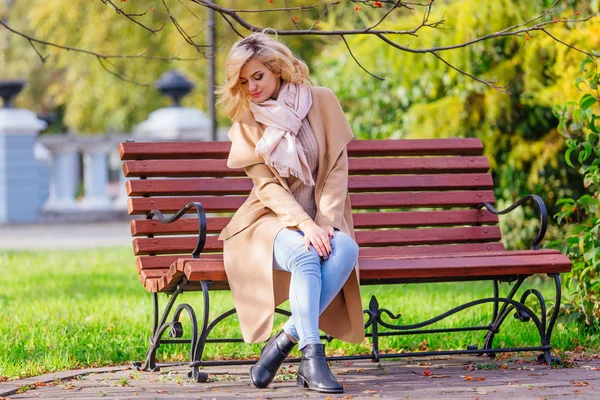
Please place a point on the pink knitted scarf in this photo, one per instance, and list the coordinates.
(279, 145)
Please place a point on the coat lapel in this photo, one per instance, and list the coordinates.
(315, 119)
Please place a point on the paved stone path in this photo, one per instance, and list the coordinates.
(65, 236)
(422, 378)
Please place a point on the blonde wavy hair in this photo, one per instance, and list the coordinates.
(271, 52)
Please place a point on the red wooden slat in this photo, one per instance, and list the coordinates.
(173, 245)
(185, 244)
(172, 204)
(139, 205)
(194, 186)
(421, 199)
(180, 168)
(156, 262)
(229, 186)
(150, 278)
(164, 261)
(428, 250)
(422, 218)
(356, 166)
(189, 226)
(463, 266)
(173, 150)
(183, 150)
(427, 236)
(467, 265)
(415, 147)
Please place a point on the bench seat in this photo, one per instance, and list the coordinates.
(392, 269)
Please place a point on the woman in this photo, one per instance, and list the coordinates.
(293, 236)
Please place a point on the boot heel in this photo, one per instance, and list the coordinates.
(301, 381)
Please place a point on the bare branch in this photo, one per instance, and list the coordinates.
(187, 8)
(359, 64)
(505, 32)
(119, 10)
(231, 25)
(568, 45)
(286, 8)
(93, 53)
(117, 74)
(323, 14)
(42, 58)
(283, 32)
(488, 83)
(290, 14)
(189, 39)
(385, 15)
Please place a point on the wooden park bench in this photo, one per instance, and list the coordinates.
(422, 212)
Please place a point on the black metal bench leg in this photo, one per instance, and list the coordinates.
(374, 322)
(499, 316)
(150, 359)
(174, 327)
(547, 356)
(198, 348)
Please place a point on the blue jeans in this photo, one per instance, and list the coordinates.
(315, 282)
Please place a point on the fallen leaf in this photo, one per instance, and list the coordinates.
(468, 378)
(427, 372)
(579, 383)
(480, 378)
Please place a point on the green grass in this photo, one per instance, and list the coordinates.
(71, 309)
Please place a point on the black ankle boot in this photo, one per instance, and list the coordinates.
(271, 356)
(314, 372)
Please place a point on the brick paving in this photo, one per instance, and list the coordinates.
(465, 377)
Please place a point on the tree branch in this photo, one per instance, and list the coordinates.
(505, 32)
(93, 53)
(568, 45)
(189, 39)
(488, 83)
(119, 10)
(117, 74)
(359, 64)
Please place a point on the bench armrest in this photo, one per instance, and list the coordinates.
(541, 209)
(201, 221)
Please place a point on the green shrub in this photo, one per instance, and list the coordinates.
(579, 122)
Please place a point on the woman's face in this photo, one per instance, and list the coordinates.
(259, 82)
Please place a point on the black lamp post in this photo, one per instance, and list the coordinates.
(9, 89)
(174, 85)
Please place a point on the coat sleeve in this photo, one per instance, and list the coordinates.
(274, 196)
(333, 198)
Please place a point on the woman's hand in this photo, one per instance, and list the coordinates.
(318, 236)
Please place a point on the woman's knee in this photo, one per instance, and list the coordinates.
(346, 245)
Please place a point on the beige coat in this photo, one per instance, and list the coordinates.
(248, 238)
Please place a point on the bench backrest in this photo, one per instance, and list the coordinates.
(408, 197)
